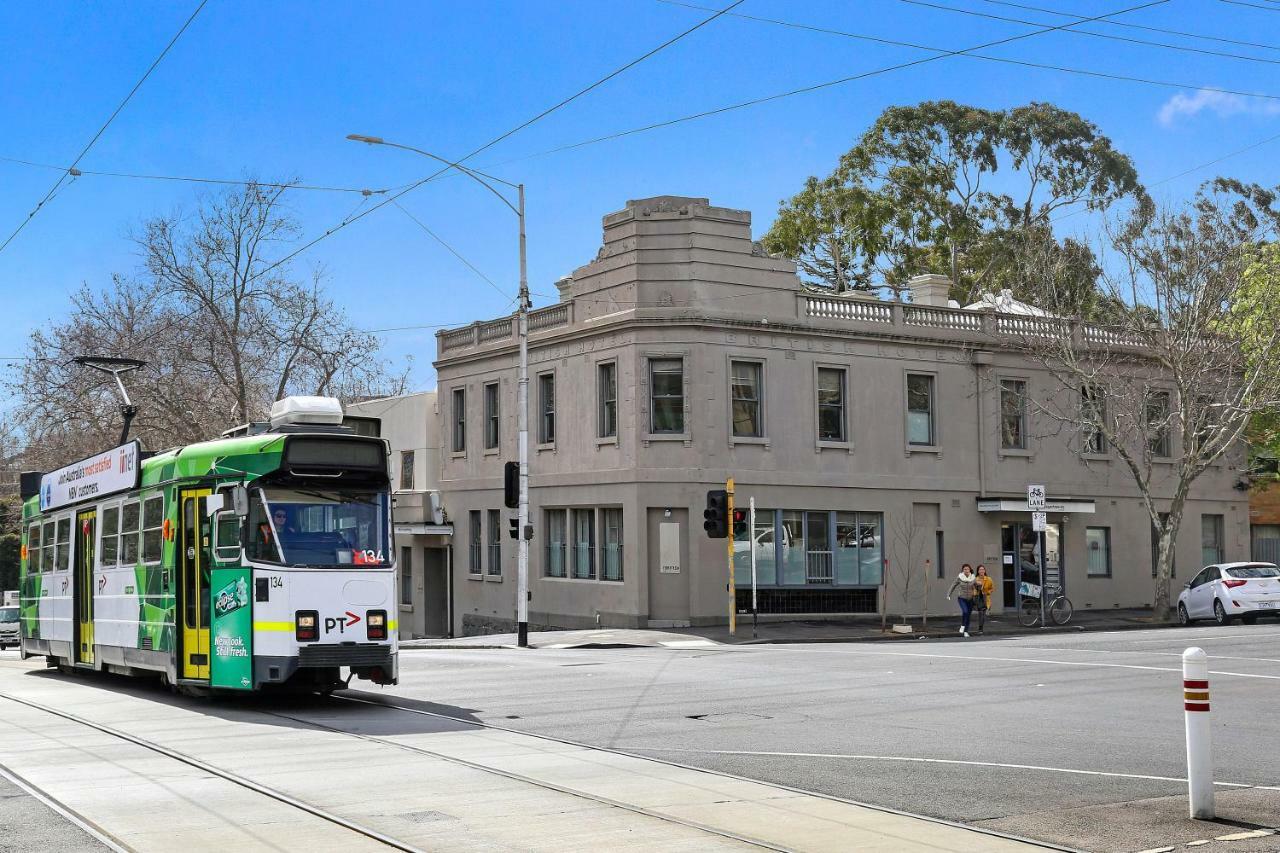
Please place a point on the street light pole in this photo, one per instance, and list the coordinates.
(522, 442)
(522, 386)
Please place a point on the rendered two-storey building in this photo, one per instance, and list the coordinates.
(872, 436)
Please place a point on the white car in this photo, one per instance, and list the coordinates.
(1231, 590)
(9, 627)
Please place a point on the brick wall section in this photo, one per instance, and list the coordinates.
(1264, 504)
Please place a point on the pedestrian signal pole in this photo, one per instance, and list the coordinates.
(751, 543)
(733, 590)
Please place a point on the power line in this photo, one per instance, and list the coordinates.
(104, 127)
(413, 186)
(1132, 26)
(1147, 42)
(194, 180)
(1250, 5)
(943, 53)
(454, 252)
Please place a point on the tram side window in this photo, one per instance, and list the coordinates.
(64, 544)
(129, 518)
(152, 522)
(109, 551)
(46, 547)
(33, 549)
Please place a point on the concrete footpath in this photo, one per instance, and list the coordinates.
(817, 630)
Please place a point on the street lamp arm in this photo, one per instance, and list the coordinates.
(477, 176)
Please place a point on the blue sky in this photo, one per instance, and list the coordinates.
(270, 90)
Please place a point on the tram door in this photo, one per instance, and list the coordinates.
(194, 560)
(83, 598)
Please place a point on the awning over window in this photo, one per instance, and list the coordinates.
(1067, 505)
(422, 529)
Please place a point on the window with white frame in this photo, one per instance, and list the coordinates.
(557, 542)
(746, 389)
(152, 528)
(492, 415)
(109, 525)
(1013, 414)
(34, 551)
(64, 544)
(831, 411)
(459, 443)
(920, 418)
(546, 408)
(1097, 543)
(666, 395)
(607, 392)
(130, 524)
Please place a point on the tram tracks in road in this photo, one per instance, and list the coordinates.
(191, 761)
(518, 777)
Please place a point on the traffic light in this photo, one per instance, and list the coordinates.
(739, 522)
(716, 515)
(511, 485)
(514, 521)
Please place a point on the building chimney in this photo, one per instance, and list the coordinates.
(930, 289)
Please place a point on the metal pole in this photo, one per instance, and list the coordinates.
(733, 589)
(751, 537)
(1043, 591)
(522, 444)
(1195, 693)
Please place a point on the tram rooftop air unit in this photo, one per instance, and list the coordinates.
(326, 411)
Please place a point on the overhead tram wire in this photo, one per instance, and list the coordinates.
(413, 186)
(1132, 26)
(1070, 29)
(454, 252)
(942, 54)
(1251, 5)
(70, 171)
(196, 180)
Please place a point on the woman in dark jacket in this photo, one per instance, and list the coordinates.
(966, 582)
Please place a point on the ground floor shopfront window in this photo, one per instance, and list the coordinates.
(811, 549)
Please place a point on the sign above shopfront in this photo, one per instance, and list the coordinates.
(1064, 505)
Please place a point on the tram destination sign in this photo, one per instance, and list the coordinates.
(114, 470)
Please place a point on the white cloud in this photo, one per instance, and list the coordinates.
(1221, 104)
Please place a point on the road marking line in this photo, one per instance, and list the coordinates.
(916, 760)
(1153, 654)
(1006, 660)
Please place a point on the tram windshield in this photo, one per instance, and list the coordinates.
(320, 527)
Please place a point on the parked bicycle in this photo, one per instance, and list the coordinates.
(1058, 606)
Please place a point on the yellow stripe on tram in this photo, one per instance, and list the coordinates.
(273, 626)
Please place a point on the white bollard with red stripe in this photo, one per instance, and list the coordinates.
(1195, 693)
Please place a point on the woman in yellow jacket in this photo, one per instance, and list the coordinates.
(982, 587)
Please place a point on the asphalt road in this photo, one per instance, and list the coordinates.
(1022, 733)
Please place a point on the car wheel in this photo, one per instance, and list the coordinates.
(1184, 618)
(1220, 614)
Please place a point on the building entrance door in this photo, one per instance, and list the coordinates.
(668, 568)
(435, 592)
(1023, 559)
(85, 523)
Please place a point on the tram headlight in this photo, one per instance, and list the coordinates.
(306, 626)
(376, 620)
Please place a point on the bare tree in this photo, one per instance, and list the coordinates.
(225, 332)
(908, 548)
(1192, 358)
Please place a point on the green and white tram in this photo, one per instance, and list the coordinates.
(262, 558)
